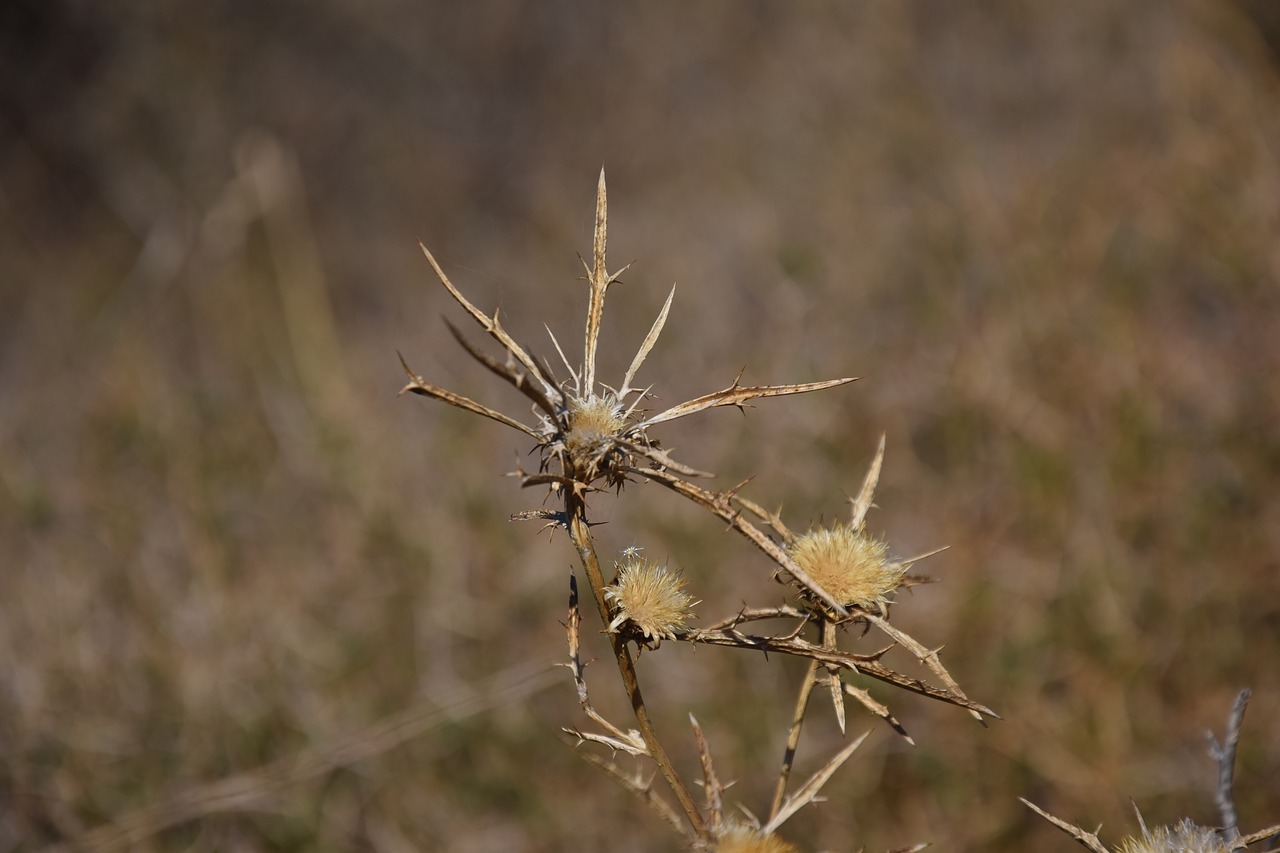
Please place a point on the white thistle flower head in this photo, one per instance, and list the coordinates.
(650, 597)
(1184, 837)
(850, 565)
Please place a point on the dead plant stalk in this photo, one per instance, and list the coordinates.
(591, 436)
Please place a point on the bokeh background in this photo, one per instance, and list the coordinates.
(251, 600)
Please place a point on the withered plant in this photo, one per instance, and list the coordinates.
(1186, 836)
(589, 437)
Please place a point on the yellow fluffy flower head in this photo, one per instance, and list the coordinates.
(651, 597)
(852, 566)
(1183, 837)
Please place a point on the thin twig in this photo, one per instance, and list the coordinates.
(1087, 839)
(927, 656)
(1225, 755)
(1255, 837)
(495, 330)
(868, 665)
(808, 792)
(643, 790)
(629, 742)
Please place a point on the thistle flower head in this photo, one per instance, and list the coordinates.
(737, 838)
(589, 432)
(850, 565)
(585, 428)
(1183, 837)
(651, 598)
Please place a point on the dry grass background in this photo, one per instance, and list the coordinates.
(1047, 235)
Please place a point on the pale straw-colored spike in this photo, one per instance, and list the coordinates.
(711, 785)
(1088, 839)
(635, 404)
(599, 281)
(810, 789)
(649, 340)
(418, 385)
(867, 665)
(576, 377)
(495, 330)
(793, 737)
(642, 789)
(630, 743)
(1254, 837)
(879, 709)
(833, 674)
(736, 395)
(661, 457)
(507, 371)
(862, 503)
(911, 561)
(773, 519)
(929, 657)
(1142, 822)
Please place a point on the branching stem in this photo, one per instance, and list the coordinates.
(575, 511)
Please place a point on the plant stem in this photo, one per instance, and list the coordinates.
(575, 510)
(793, 738)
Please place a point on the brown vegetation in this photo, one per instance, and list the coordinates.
(252, 601)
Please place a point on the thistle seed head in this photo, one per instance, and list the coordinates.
(1184, 837)
(853, 567)
(650, 597)
(591, 426)
(745, 839)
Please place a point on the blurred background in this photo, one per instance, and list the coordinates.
(253, 601)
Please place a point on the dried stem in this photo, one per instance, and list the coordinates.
(866, 664)
(793, 738)
(833, 672)
(711, 784)
(590, 435)
(721, 504)
(575, 511)
(808, 792)
(642, 790)
(1086, 839)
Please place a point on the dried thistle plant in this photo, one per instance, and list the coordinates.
(1186, 836)
(591, 436)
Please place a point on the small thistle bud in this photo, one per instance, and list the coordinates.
(651, 597)
(1185, 837)
(744, 839)
(853, 567)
